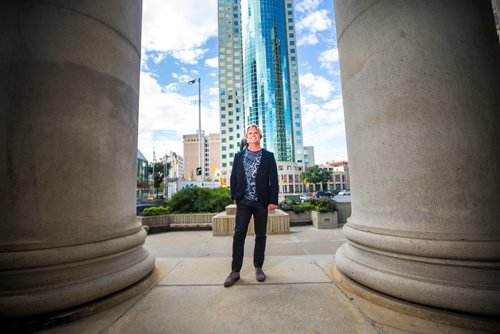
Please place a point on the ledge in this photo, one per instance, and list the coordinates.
(277, 223)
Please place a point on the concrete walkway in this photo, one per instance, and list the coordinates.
(298, 295)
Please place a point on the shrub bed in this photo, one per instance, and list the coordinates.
(200, 200)
(323, 204)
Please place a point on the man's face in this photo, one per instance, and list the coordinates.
(253, 136)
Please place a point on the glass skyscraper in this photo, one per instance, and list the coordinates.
(258, 77)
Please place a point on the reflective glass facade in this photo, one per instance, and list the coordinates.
(258, 77)
(266, 80)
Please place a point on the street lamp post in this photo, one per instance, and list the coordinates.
(199, 125)
(165, 183)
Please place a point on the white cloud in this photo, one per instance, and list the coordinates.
(312, 24)
(326, 119)
(183, 78)
(331, 55)
(214, 91)
(307, 39)
(328, 58)
(316, 85)
(165, 115)
(158, 57)
(212, 62)
(307, 5)
(189, 56)
(179, 28)
(315, 22)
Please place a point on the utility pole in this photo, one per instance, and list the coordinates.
(199, 129)
(165, 184)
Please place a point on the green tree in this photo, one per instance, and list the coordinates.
(316, 175)
(159, 174)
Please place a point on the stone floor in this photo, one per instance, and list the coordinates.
(299, 295)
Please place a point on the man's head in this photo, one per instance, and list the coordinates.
(253, 134)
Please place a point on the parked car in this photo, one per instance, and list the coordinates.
(304, 198)
(344, 193)
(140, 207)
(323, 194)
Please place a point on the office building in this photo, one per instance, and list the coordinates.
(258, 78)
(309, 156)
(211, 155)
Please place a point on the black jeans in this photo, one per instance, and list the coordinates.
(244, 210)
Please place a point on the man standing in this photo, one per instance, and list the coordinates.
(254, 187)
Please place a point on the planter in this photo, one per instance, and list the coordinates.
(154, 223)
(324, 220)
(300, 217)
(223, 223)
(170, 221)
(344, 212)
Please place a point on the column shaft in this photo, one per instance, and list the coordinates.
(69, 90)
(420, 83)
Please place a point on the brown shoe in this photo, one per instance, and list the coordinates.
(259, 274)
(231, 279)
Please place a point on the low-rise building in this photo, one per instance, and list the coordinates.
(340, 175)
(142, 176)
(290, 177)
(210, 155)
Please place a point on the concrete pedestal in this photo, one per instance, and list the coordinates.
(223, 223)
(322, 220)
(420, 83)
(69, 89)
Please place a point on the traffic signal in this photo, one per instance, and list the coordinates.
(198, 171)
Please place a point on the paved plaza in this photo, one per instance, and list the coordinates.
(298, 296)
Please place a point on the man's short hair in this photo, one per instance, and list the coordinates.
(256, 128)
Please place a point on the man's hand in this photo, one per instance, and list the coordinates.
(271, 207)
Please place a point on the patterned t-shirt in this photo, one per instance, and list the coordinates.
(251, 163)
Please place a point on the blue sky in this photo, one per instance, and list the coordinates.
(179, 43)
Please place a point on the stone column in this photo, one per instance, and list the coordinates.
(69, 90)
(421, 87)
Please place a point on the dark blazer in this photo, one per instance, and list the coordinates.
(266, 179)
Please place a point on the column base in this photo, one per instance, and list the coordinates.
(460, 284)
(406, 316)
(38, 282)
(49, 320)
